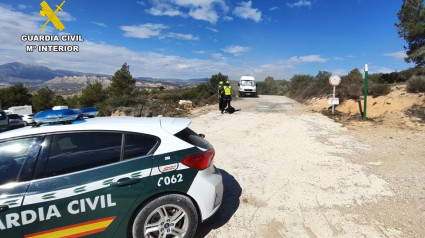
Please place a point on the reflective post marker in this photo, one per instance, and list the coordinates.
(365, 90)
(333, 105)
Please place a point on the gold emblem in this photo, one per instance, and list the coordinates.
(51, 15)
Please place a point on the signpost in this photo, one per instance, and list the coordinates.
(334, 80)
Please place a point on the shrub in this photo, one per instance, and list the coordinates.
(377, 90)
(416, 84)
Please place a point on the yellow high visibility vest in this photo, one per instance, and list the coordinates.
(228, 90)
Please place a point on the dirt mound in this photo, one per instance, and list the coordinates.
(389, 110)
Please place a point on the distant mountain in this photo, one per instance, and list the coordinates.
(13, 73)
(69, 82)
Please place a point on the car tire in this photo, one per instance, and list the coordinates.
(25, 123)
(170, 215)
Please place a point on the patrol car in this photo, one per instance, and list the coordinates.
(107, 177)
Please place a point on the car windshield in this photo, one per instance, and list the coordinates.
(247, 83)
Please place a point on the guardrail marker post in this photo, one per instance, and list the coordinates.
(333, 105)
(365, 90)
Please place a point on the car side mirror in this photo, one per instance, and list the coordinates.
(202, 135)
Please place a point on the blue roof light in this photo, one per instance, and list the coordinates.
(86, 112)
(52, 116)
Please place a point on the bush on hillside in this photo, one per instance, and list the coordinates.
(416, 84)
(377, 90)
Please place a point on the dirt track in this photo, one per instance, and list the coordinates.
(291, 173)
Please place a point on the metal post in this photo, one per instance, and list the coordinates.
(333, 105)
(365, 91)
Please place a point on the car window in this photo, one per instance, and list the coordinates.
(78, 151)
(14, 116)
(13, 155)
(2, 115)
(137, 145)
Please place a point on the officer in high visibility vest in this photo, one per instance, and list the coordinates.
(221, 96)
(227, 96)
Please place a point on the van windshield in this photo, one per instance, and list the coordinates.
(247, 83)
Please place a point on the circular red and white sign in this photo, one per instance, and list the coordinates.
(334, 80)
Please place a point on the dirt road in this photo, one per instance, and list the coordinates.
(288, 172)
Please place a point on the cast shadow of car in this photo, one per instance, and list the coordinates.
(229, 205)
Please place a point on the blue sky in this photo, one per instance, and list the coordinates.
(198, 38)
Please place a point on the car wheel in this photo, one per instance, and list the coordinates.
(172, 215)
(25, 123)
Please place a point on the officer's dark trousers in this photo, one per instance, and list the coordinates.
(227, 100)
(221, 104)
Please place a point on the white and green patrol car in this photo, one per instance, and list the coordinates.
(107, 177)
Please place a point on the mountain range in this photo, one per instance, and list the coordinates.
(71, 82)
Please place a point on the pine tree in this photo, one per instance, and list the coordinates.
(122, 82)
(412, 29)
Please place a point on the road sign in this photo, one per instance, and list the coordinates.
(333, 101)
(334, 80)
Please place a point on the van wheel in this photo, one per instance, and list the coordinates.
(240, 94)
(171, 215)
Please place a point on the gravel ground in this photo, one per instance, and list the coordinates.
(288, 172)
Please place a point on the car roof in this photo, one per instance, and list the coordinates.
(150, 125)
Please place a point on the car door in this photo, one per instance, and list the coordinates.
(17, 160)
(86, 181)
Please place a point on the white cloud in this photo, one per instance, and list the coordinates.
(65, 16)
(201, 52)
(148, 30)
(397, 55)
(23, 6)
(307, 59)
(227, 18)
(141, 3)
(204, 13)
(236, 50)
(300, 3)
(182, 36)
(204, 10)
(161, 9)
(212, 29)
(218, 56)
(143, 31)
(245, 11)
(98, 23)
(273, 8)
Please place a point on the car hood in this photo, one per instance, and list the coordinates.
(174, 125)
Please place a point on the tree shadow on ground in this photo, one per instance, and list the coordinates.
(229, 205)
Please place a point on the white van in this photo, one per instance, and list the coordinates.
(247, 86)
